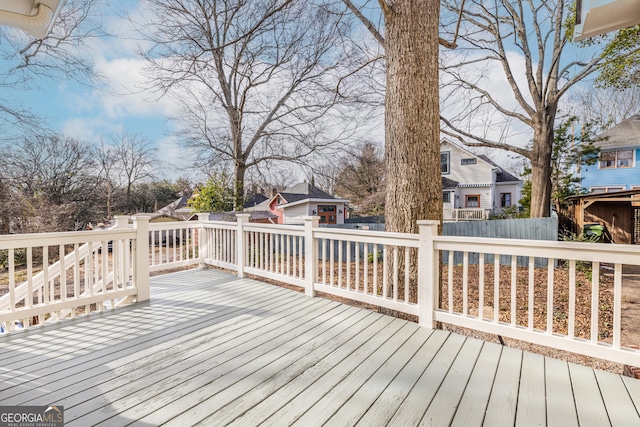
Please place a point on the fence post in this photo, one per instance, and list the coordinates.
(122, 221)
(428, 272)
(203, 242)
(141, 272)
(310, 254)
(241, 259)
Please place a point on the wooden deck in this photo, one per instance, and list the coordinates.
(211, 349)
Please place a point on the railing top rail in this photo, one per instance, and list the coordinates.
(63, 238)
(296, 230)
(155, 226)
(581, 251)
(381, 237)
(227, 225)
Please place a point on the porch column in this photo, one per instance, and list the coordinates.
(141, 271)
(310, 254)
(428, 272)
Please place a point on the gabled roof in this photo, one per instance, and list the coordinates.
(303, 190)
(448, 183)
(501, 174)
(624, 134)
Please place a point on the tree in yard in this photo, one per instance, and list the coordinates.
(54, 183)
(512, 68)
(621, 67)
(412, 128)
(255, 80)
(361, 179)
(572, 149)
(214, 196)
(604, 107)
(124, 162)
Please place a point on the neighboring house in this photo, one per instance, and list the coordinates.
(471, 181)
(304, 199)
(617, 168)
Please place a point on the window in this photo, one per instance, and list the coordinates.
(327, 214)
(616, 159)
(597, 190)
(472, 201)
(444, 162)
(468, 161)
(505, 200)
(446, 197)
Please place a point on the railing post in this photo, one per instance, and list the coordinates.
(141, 271)
(428, 272)
(203, 242)
(241, 259)
(310, 254)
(122, 221)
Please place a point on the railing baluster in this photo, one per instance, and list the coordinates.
(29, 301)
(531, 301)
(465, 283)
(572, 299)
(12, 280)
(617, 305)
(481, 285)
(407, 273)
(450, 267)
(324, 261)
(496, 287)
(63, 274)
(331, 262)
(595, 298)
(396, 271)
(349, 265)
(45, 275)
(514, 284)
(550, 280)
(385, 272)
(365, 262)
(294, 256)
(357, 266)
(340, 284)
(375, 269)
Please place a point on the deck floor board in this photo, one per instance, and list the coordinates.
(212, 349)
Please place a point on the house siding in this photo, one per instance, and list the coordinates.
(614, 177)
(481, 172)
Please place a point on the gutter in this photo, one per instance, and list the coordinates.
(37, 25)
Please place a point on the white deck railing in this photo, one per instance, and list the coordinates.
(92, 269)
(559, 294)
(466, 214)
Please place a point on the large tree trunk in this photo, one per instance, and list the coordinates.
(238, 188)
(541, 168)
(412, 115)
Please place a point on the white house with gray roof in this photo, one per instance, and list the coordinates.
(305, 199)
(617, 168)
(471, 181)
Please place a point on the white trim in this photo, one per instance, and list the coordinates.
(303, 201)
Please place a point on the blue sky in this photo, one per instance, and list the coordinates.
(111, 107)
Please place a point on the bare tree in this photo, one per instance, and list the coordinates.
(409, 36)
(255, 80)
(361, 179)
(63, 53)
(134, 158)
(605, 107)
(53, 178)
(510, 71)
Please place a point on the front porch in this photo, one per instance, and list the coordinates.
(213, 349)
